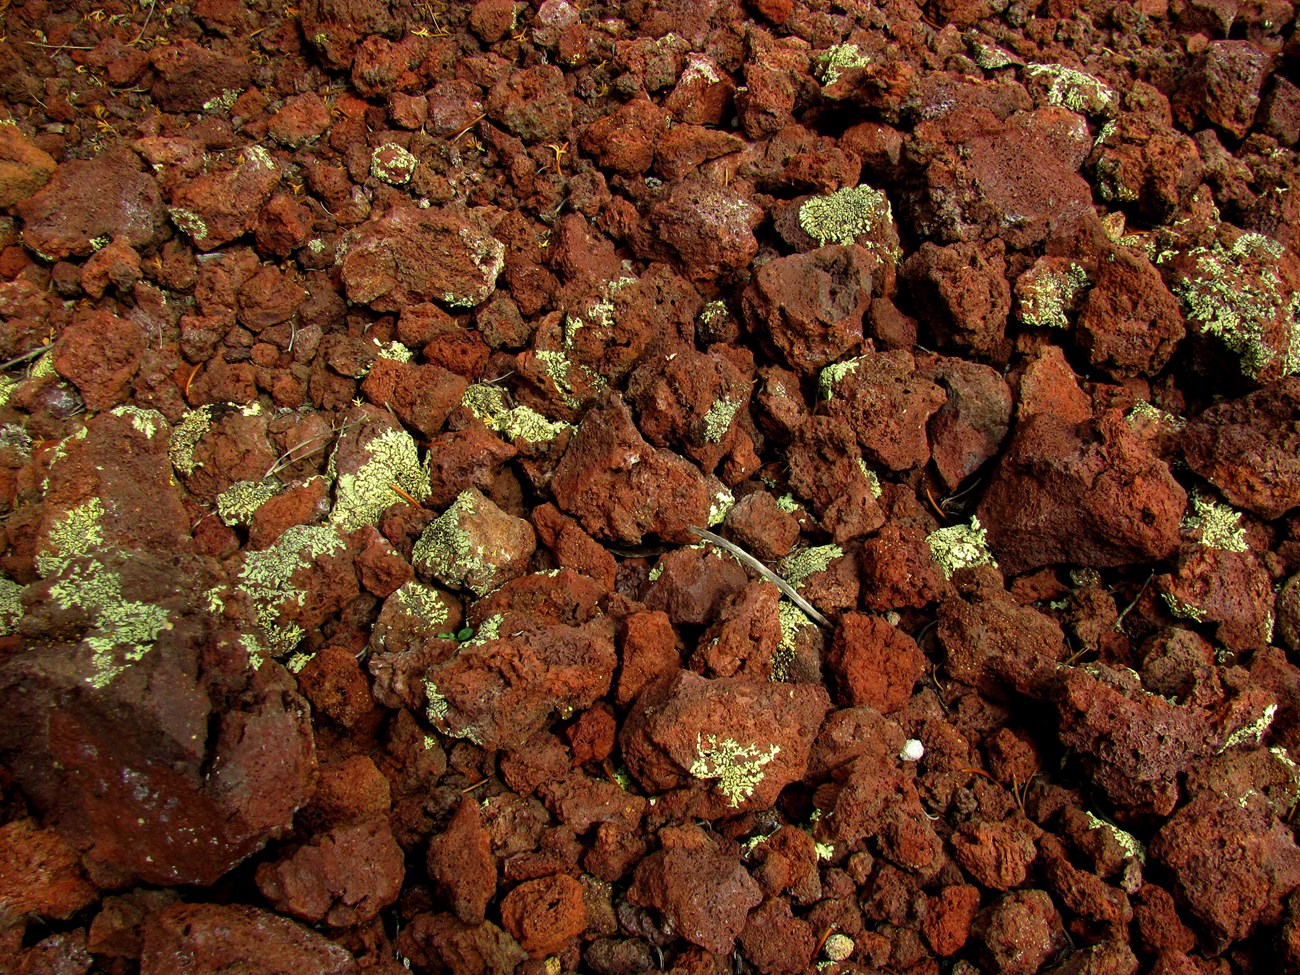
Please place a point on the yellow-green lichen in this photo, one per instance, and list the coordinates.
(1048, 294)
(189, 222)
(7, 386)
(1251, 734)
(873, 479)
(448, 552)
(1215, 525)
(223, 102)
(422, 601)
(491, 405)
(736, 769)
(42, 367)
(722, 502)
(121, 630)
(267, 578)
(11, 605)
(793, 621)
(717, 421)
(834, 374)
(1236, 293)
(186, 436)
(846, 215)
(1144, 413)
(256, 649)
(392, 163)
(489, 629)
(840, 58)
(435, 708)
(1183, 609)
(76, 534)
(361, 497)
(144, 420)
(788, 504)
(14, 438)
(794, 569)
(960, 547)
(393, 350)
(238, 503)
(1076, 90)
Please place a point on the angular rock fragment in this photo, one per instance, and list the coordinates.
(621, 488)
(408, 256)
(1087, 493)
(732, 743)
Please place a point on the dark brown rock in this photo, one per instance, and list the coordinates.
(962, 294)
(99, 353)
(970, 426)
(1020, 932)
(24, 166)
(40, 873)
(1223, 87)
(1129, 324)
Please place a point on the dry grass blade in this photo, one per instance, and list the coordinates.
(766, 573)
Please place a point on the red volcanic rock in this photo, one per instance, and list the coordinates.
(730, 743)
(621, 488)
(544, 915)
(1088, 493)
(100, 199)
(811, 305)
(873, 663)
(886, 401)
(461, 864)
(100, 354)
(342, 878)
(208, 939)
(1248, 448)
(701, 890)
(408, 256)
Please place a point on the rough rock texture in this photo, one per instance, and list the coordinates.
(605, 479)
(1088, 493)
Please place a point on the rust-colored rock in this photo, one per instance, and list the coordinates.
(702, 891)
(544, 915)
(93, 200)
(209, 939)
(621, 488)
(811, 305)
(342, 878)
(1087, 493)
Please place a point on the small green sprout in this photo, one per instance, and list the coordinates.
(460, 636)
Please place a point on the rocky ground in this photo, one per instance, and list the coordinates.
(369, 364)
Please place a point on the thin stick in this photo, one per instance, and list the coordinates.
(766, 573)
(24, 357)
(145, 26)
